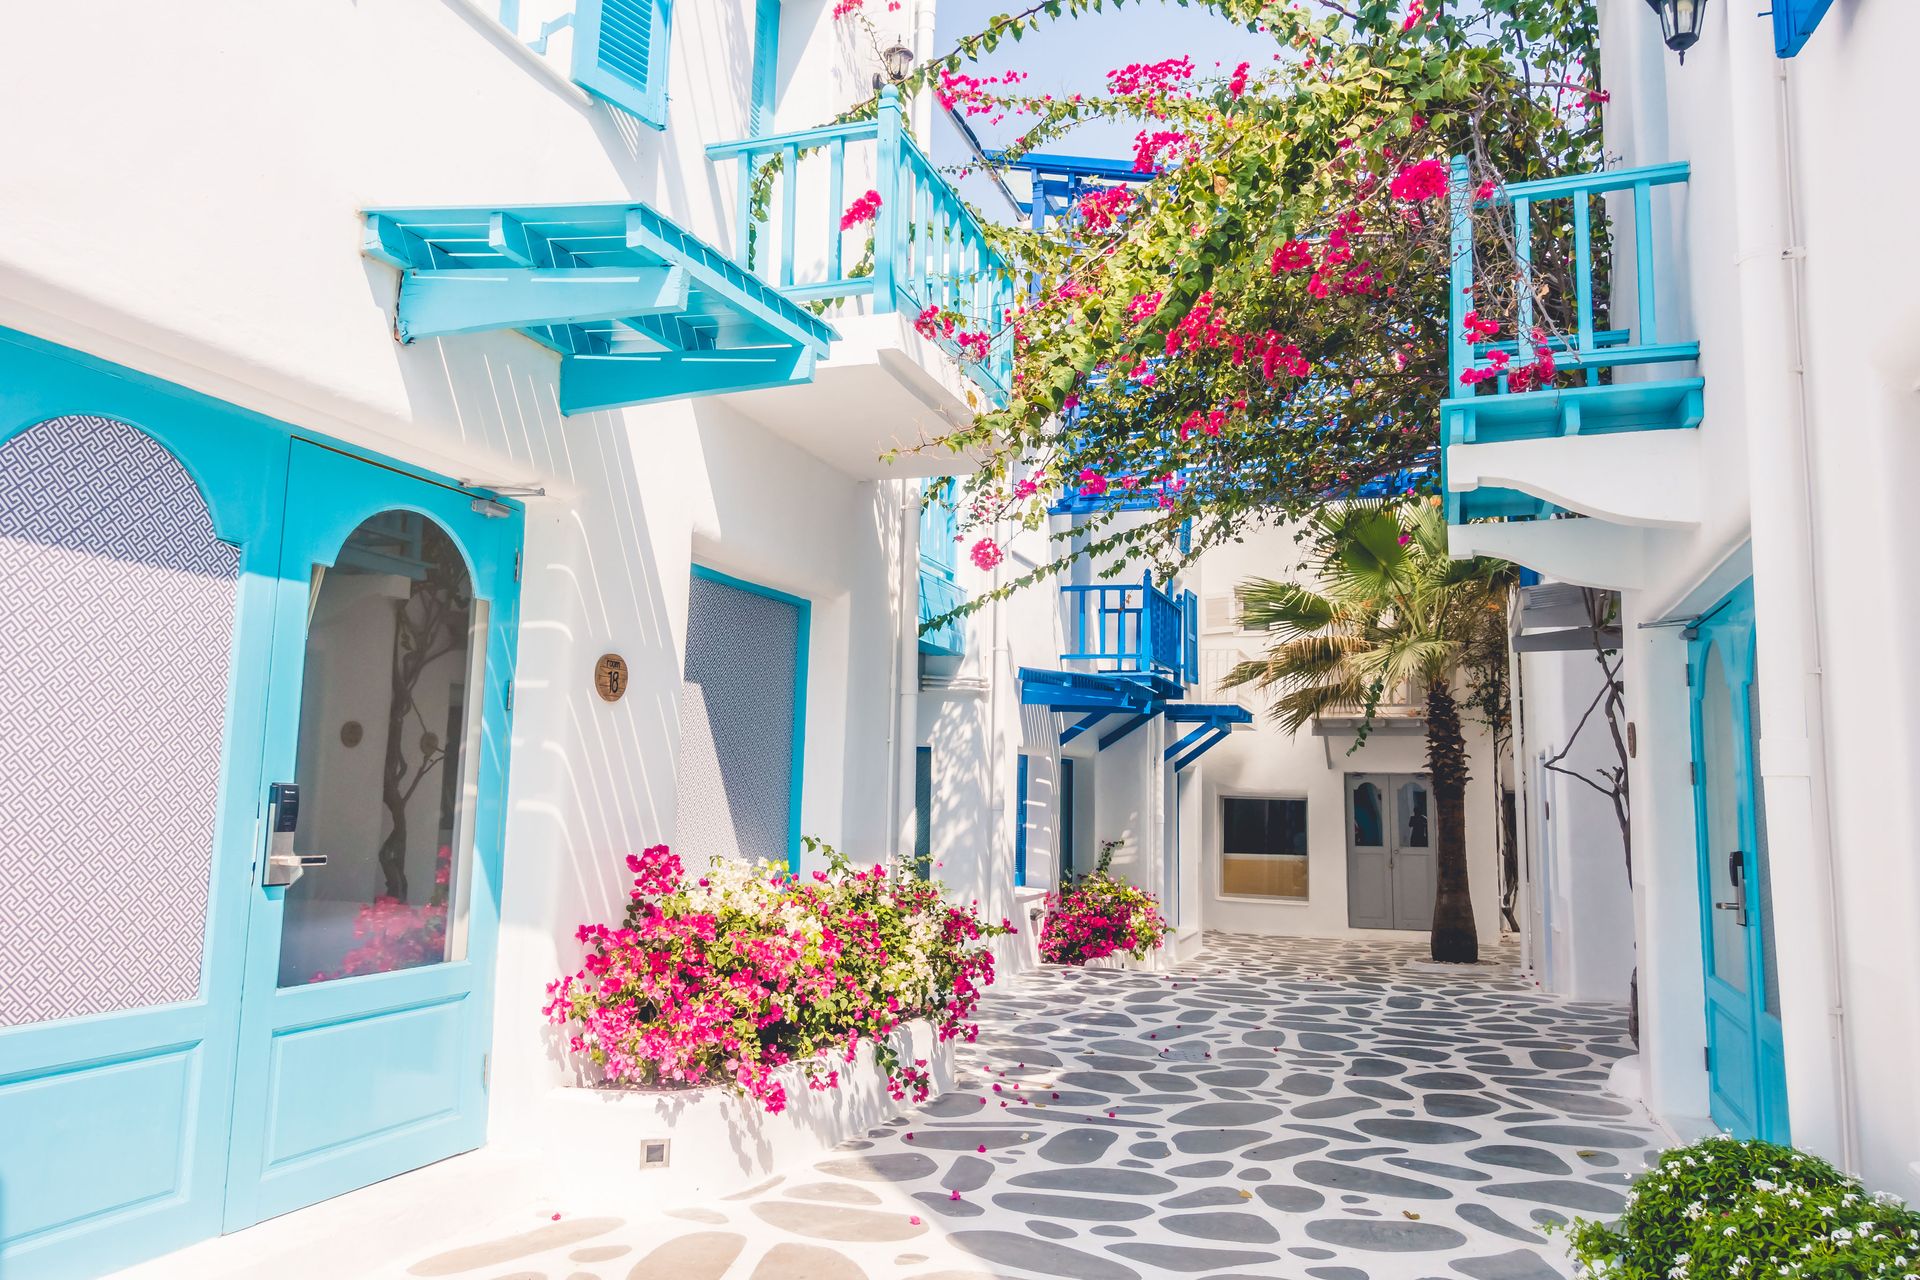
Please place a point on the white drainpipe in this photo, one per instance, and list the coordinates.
(1787, 597)
(905, 730)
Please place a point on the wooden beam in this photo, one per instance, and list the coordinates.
(472, 300)
(589, 383)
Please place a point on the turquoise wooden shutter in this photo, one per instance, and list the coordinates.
(1020, 828)
(620, 54)
(766, 66)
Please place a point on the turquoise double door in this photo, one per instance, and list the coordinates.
(253, 757)
(1746, 1066)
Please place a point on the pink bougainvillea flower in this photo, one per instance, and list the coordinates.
(1294, 255)
(1422, 180)
(986, 553)
(864, 209)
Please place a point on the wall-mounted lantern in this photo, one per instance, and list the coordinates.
(1680, 23)
(896, 60)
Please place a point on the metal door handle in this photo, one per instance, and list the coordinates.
(1737, 874)
(284, 866)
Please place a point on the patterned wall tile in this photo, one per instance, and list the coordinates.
(116, 625)
(735, 780)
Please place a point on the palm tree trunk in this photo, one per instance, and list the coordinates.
(1455, 941)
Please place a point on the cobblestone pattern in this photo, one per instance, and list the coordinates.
(1287, 1109)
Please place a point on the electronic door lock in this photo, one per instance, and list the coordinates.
(284, 866)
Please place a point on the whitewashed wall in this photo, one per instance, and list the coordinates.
(1584, 944)
(195, 216)
(1267, 761)
(1782, 264)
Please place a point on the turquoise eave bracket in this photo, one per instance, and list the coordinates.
(638, 309)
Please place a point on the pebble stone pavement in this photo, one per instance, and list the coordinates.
(1276, 1108)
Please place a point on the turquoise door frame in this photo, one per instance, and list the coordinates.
(1746, 1065)
(124, 1136)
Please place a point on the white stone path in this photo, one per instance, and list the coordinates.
(1282, 1109)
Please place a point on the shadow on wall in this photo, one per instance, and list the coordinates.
(961, 826)
(590, 781)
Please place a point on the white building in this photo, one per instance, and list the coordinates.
(387, 401)
(1755, 544)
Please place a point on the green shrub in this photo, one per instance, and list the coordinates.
(1724, 1209)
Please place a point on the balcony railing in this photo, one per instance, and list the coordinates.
(1134, 629)
(928, 249)
(1493, 410)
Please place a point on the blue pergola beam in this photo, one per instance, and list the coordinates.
(1192, 736)
(591, 382)
(513, 240)
(434, 304)
(1061, 699)
(1127, 728)
(714, 273)
(638, 309)
(1215, 736)
(1086, 722)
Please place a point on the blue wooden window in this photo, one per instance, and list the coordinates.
(1793, 24)
(1020, 828)
(923, 812)
(766, 66)
(1064, 838)
(620, 54)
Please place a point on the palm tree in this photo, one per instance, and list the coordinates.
(1392, 609)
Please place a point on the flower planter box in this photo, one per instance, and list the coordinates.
(595, 1142)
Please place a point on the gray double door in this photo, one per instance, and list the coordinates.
(1390, 874)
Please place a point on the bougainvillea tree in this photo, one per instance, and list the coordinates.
(1261, 323)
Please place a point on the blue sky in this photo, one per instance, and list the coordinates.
(1074, 55)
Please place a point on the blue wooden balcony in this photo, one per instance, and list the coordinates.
(1498, 409)
(1135, 629)
(928, 249)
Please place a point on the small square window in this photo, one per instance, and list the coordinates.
(1263, 848)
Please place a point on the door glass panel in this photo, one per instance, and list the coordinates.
(1369, 825)
(1770, 965)
(1718, 790)
(389, 710)
(1411, 813)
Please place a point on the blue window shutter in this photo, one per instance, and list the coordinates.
(620, 54)
(923, 812)
(766, 66)
(1020, 829)
(1793, 24)
(1064, 838)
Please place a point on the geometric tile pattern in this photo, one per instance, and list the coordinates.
(116, 625)
(1292, 1109)
(735, 772)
